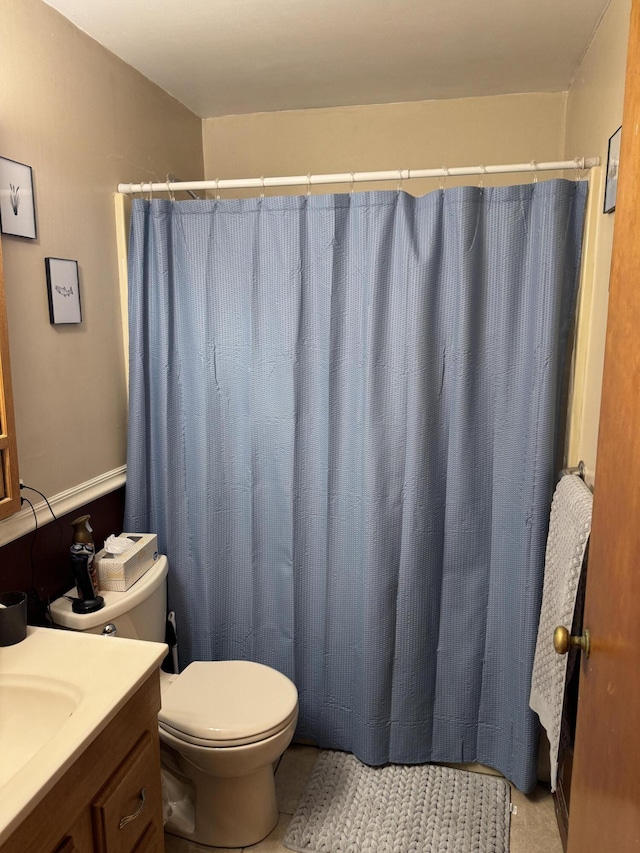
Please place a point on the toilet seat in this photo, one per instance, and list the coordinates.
(227, 703)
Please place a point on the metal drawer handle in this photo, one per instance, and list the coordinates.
(125, 820)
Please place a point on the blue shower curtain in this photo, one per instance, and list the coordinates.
(343, 417)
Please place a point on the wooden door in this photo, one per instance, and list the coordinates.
(605, 789)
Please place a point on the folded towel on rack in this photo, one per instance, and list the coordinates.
(569, 528)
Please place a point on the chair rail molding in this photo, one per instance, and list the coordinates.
(23, 522)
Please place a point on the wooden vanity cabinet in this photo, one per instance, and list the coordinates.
(110, 799)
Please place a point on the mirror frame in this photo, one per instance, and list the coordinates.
(10, 504)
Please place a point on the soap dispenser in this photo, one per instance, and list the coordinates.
(82, 555)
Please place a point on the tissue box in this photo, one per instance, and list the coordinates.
(120, 571)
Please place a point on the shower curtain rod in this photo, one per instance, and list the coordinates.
(579, 163)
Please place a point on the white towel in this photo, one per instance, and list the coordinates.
(569, 528)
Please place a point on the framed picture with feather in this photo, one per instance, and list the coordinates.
(63, 286)
(17, 204)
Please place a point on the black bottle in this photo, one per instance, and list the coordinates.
(87, 601)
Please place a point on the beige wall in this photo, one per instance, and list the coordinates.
(500, 129)
(84, 121)
(469, 131)
(594, 113)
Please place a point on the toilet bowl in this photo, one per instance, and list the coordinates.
(222, 724)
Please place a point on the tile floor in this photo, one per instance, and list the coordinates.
(533, 828)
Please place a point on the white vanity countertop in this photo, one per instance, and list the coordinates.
(58, 691)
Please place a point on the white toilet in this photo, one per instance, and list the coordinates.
(222, 724)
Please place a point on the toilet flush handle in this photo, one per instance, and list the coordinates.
(109, 630)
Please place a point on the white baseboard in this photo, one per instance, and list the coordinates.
(23, 522)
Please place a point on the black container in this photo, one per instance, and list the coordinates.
(87, 601)
(13, 617)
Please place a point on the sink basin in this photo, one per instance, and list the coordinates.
(58, 691)
(32, 712)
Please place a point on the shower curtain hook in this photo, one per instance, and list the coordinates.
(399, 184)
(217, 189)
(172, 195)
(352, 183)
(483, 172)
(446, 174)
(308, 184)
(535, 171)
(262, 186)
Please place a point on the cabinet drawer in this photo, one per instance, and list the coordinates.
(151, 842)
(124, 808)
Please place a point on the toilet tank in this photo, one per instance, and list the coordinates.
(139, 612)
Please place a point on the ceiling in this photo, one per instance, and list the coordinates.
(223, 57)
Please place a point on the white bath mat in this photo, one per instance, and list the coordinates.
(348, 807)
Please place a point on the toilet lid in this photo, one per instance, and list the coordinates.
(227, 703)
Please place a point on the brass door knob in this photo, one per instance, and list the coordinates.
(562, 641)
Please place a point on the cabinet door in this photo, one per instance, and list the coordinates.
(79, 839)
(127, 805)
(67, 845)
